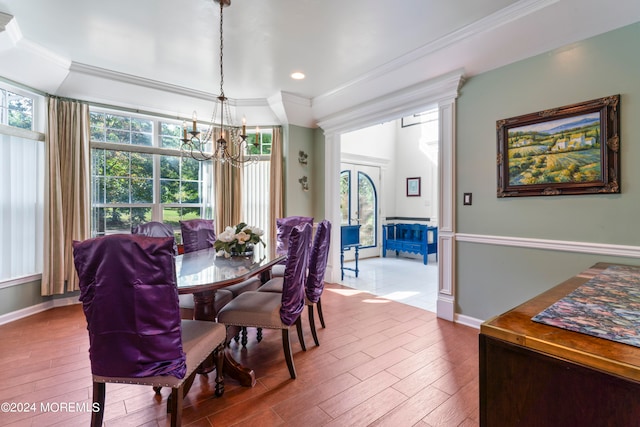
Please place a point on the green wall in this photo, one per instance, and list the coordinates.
(25, 295)
(490, 278)
(17, 297)
(318, 154)
(297, 201)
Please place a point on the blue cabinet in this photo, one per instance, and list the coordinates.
(349, 239)
(412, 238)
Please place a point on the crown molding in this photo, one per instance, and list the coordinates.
(506, 15)
(41, 52)
(395, 105)
(9, 26)
(364, 160)
(90, 70)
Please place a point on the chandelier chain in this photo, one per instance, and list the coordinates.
(229, 144)
(221, 45)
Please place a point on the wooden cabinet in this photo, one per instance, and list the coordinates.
(533, 374)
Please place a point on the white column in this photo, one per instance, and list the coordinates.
(332, 202)
(446, 211)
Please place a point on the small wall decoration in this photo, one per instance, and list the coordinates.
(566, 150)
(302, 157)
(413, 187)
(304, 182)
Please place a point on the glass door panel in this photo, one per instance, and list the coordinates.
(359, 197)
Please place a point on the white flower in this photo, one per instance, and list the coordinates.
(257, 231)
(227, 235)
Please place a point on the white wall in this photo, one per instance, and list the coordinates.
(416, 156)
(405, 153)
(375, 145)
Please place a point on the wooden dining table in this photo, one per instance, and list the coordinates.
(202, 273)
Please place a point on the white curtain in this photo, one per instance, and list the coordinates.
(67, 192)
(255, 196)
(21, 204)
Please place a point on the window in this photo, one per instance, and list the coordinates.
(263, 145)
(22, 153)
(16, 110)
(138, 174)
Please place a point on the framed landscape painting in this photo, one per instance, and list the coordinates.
(566, 150)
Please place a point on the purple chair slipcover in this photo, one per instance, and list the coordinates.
(155, 229)
(283, 229)
(187, 306)
(274, 310)
(315, 279)
(130, 300)
(197, 234)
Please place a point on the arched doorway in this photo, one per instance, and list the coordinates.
(359, 186)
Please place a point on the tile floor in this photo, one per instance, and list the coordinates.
(402, 279)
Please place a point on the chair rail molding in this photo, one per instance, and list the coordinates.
(605, 249)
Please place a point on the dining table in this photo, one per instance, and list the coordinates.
(203, 272)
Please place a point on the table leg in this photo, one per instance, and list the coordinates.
(245, 376)
(203, 306)
(205, 310)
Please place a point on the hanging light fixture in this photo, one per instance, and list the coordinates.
(230, 144)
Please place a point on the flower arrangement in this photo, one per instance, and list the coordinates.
(238, 240)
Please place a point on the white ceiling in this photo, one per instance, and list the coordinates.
(162, 55)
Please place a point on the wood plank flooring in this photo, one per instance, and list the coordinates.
(379, 363)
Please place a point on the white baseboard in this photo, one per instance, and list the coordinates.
(468, 321)
(38, 308)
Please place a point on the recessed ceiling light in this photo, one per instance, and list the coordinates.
(297, 75)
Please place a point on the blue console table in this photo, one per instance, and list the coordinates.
(349, 238)
(413, 238)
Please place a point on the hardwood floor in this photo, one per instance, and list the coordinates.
(379, 363)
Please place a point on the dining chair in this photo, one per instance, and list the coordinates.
(314, 285)
(271, 310)
(187, 305)
(251, 284)
(130, 301)
(155, 229)
(315, 279)
(283, 229)
(197, 234)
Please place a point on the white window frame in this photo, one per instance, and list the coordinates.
(33, 188)
(206, 205)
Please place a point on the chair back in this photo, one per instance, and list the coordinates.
(197, 234)
(283, 230)
(155, 229)
(295, 271)
(318, 261)
(130, 300)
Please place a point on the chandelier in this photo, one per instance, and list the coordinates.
(228, 141)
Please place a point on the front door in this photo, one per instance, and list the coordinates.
(359, 186)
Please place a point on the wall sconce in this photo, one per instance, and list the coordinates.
(304, 182)
(302, 157)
